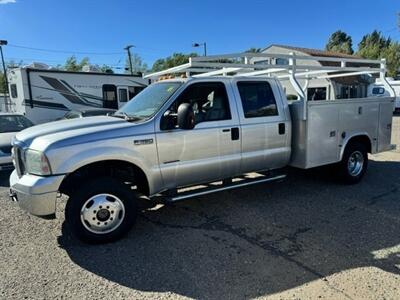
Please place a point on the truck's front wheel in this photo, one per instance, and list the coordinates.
(101, 210)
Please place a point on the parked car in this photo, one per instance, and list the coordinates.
(92, 112)
(10, 124)
(182, 138)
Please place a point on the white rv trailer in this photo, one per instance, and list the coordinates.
(46, 95)
(377, 89)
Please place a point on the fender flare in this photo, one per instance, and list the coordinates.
(347, 139)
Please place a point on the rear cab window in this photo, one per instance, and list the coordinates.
(258, 99)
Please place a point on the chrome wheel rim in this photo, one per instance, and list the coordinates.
(102, 213)
(355, 163)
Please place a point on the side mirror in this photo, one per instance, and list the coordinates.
(168, 120)
(185, 116)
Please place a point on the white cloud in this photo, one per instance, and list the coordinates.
(7, 1)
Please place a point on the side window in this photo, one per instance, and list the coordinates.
(378, 91)
(257, 99)
(110, 96)
(318, 93)
(13, 90)
(109, 92)
(208, 99)
(134, 90)
(123, 95)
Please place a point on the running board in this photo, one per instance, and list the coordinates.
(224, 187)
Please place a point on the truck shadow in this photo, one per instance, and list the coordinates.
(256, 241)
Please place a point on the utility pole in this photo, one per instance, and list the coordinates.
(128, 49)
(4, 43)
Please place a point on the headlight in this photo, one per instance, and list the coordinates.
(36, 163)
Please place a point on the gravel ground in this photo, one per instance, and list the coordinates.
(306, 237)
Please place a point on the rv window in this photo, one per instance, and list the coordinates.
(378, 91)
(134, 90)
(13, 89)
(315, 94)
(257, 99)
(110, 96)
(123, 95)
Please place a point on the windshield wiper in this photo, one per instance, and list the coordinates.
(125, 116)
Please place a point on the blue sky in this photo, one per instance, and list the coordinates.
(159, 28)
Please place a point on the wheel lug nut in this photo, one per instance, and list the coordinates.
(94, 211)
(108, 207)
(100, 206)
(105, 223)
(98, 223)
(94, 219)
(112, 211)
(111, 219)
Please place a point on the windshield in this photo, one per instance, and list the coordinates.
(150, 100)
(13, 123)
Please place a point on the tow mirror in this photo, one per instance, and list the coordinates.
(168, 121)
(185, 116)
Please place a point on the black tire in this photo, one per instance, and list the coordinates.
(344, 172)
(103, 185)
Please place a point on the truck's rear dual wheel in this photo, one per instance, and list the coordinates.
(354, 163)
(101, 210)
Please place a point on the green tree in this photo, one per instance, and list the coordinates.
(137, 64)
(253, 50)
(372, 45)
(174, 60)
(73, 65)
(375, 46)
(392, 55)
(106, 69)
(340, 42)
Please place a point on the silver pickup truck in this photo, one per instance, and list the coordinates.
(181, 133)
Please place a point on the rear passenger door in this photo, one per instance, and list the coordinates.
(264, 126)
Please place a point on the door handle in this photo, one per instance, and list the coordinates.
(226, 130)
(281, 128)
(235, 133)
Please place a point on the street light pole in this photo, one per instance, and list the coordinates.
(4, 43)
(201, 44)
(128, 49)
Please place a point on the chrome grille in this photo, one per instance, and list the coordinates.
(19, 160)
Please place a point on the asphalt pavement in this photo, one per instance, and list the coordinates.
(303, 238)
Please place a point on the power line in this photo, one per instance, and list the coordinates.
(54, 62)
(64, 51)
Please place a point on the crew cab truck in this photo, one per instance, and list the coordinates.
(210, 128)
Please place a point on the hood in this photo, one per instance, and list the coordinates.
(72, 131)
(6, 137)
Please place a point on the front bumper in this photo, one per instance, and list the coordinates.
(35, 194)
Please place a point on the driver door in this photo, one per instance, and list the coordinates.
(194, 156)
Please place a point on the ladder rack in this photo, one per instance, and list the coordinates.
(246, 64)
